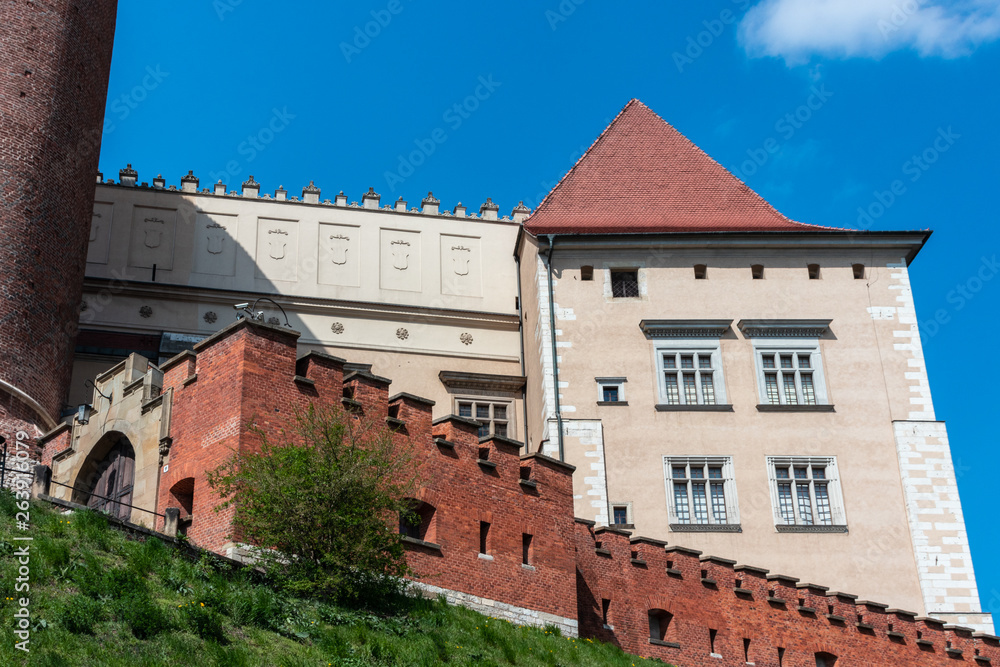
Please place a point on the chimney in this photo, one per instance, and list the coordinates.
(488, 211)
(100, 177)
(370, 199)
(220, 188)
(127, 176)
(251, 188)
(189, 183)
(159, 182)
(340, 199)
(310, 193)
(429, 205)
(400, 206)
(459, 210)
(520, 212)
(281, 194)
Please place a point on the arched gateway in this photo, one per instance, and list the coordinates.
(106, 483)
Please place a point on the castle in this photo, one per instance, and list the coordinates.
(654, 351)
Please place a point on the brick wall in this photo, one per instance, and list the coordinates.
(755, 615)
(56, 59)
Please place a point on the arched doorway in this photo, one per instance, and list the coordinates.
(111, 479)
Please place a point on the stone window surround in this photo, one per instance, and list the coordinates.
(732, 500)
(629, 517)
(618, 382)
(837, 508)
(711, 345)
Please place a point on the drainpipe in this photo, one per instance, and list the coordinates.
(552, 331)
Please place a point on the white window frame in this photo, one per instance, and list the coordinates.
(629, 521)
(508, 403)
(838, 522)
(732, 523)
(794, 346)
(618, 382)
(703, 345)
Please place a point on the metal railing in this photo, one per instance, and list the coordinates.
(110, 501)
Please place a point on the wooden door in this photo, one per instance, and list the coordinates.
(113, 490)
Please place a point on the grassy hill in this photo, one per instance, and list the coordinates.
(98, 598)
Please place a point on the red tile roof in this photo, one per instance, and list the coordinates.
(641, 176)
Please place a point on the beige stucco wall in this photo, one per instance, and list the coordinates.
(867, 381)
(411, 292)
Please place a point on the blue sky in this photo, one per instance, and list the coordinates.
(852, 94)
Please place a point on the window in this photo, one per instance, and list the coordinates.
(757, 271)
(494, 416)
(526, 551)
(610, 390)
(659, 624)
(418, 522)
(700, 271)
(790, 376)
(586, 273)
(691, 376)
(621, 514)
(806, 494)
(624, 284)
(813, 271)
(605, 607)
(484, 537)
(701, 494)
(859, 271)
(825, 660)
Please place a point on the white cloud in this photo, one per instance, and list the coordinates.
(797, 30)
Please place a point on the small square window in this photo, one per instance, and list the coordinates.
(586, 273)
(814, 272)
(624, 284)
(700, 272)
(611, 390)
(620, 514)
(859, 271)
(757, 271)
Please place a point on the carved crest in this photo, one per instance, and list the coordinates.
(154, 234)
(277, 245)
(216, 238)
(400, 255)
(460, 258)
(339, 245)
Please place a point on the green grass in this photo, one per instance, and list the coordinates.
(98, 598)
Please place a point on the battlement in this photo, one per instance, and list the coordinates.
(687, 608)
(311, 195)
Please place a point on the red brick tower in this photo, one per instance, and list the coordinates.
(55, 61)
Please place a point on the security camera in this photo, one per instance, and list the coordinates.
(242, 306)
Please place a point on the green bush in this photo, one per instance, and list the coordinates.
(144, 617)
(79, 614)
(325, 500)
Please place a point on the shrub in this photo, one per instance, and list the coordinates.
(142, 615)
(325, 501)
